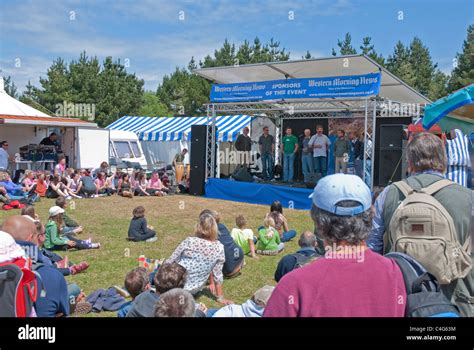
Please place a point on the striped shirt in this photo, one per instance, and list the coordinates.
(459, 162)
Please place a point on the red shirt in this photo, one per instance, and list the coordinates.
(41, 188)
(366, 286)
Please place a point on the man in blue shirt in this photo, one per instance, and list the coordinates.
(53, 291)
(288, 263)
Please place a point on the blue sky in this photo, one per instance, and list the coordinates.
(151, 36)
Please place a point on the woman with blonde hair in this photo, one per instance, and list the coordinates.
(203, 257)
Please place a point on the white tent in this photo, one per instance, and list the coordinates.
(11, 106)
(82, 141)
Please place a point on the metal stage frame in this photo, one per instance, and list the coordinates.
(368, 108)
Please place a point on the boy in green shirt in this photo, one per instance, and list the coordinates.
(243, 237)
(269, 242)
(290, 147)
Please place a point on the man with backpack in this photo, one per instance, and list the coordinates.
(52, 301)
(303, 256)
(428, 218)
(351, 280)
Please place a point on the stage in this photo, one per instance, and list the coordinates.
(258, 193)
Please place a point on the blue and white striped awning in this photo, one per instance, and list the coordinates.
(178, 128)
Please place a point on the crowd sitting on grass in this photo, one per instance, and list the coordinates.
(29, 186)
(356, 228)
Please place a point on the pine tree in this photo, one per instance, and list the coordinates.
(368, 49)
(422, 65)
(307, 56)
(345, 46)
(10, 87)
(463, 73)
(399, 64)
(438, 86)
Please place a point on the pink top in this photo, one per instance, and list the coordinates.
(60, 168)
(155, 184)
(100, 182)
(28, 182)
(362, 285)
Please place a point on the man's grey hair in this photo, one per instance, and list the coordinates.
(176, 302)
(335, 229)
(307, 240)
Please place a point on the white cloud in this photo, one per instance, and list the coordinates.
(44, 30)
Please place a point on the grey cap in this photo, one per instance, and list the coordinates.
(262, 295)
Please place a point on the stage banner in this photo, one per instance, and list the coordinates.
(305, 88)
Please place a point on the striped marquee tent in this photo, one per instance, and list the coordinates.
(179, 128)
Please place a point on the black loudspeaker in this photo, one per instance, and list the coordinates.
(198, 159)
(242, 174)
(392, 160)
(391, 136)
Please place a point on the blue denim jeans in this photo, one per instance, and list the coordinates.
(267, 166)
(307, 164)
(321, 165)
(288, 166)
(288, 235)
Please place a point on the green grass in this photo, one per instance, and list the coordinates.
(106, 220)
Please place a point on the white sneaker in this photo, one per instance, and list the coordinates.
(152, 239)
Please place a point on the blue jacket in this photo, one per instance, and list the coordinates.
(54, 298)
(124, 309)
(233, 253)
(12, 188)
(105, 300)
(288, 262)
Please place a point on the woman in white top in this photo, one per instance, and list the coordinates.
(203, 257)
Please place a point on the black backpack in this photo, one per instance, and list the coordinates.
(302, 260)
(424, 297)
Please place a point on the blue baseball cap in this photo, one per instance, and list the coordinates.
(333, 189)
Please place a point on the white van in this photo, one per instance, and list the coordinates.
(124, 145)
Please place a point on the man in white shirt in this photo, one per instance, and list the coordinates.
(4, 156)
(320, 144)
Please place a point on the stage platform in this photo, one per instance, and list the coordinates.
(293, 197)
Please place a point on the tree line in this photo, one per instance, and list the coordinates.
(115, 92)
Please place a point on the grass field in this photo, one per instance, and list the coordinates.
(106, 220)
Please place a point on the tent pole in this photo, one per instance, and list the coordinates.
(372, 157)
(213, 142)
(364, 169)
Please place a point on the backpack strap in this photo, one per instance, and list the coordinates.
(404, 187)
(435, 187)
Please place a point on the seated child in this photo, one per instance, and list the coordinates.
(56, 188)
(269, 242)
(167, 277)
(29, 181)
(243, 237)
(55, 241)
(138, 229)
(62, 264)
(41, 185)
(124, 188)
(136, 282)
(70, 226)
(176, 303)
